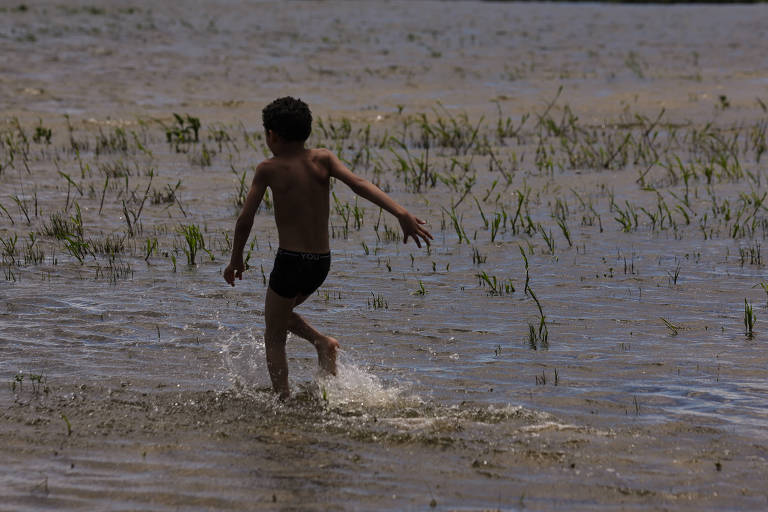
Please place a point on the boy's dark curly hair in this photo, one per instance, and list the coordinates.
(288, 117)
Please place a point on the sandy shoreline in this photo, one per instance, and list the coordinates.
(207, 450)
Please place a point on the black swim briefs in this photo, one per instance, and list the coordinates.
(298, 273)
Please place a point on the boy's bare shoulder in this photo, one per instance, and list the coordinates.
(266, 168)
(322, 155)
(327, 159)
(266, 165)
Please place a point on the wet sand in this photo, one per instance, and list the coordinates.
(134, 381)
(208, 450)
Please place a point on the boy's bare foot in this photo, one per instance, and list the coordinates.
(326, 353)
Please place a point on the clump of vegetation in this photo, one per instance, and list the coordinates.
(194, 242)
(495, 286)
(377, 301)
(184, 130)
(42, 134)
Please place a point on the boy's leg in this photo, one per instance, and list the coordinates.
(325, 345)
(277, 313)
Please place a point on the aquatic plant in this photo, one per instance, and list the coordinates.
(456, 222)
(33, 254)
(42, 134)
(478, 258)
(18, 380)
(115, 141)
(538, 336)
(203, 157)
(674, 274)
(186, 129)
(9, 248)
(526, 287)
(150, 247)
(194, 242)
(415, 170)
(377, 301)
(494, 285)
(674, 329)
(70, 183)
(749, 319)
(113, 271)
(626, 217)
(242, 188)
(132, 209)
(541, 380)
(39, 383)
(5, 211)
(549, 240)
(764, 286)
(111, 244)
(67, 423)
(750, 254)
(76, 247)
(167, 195)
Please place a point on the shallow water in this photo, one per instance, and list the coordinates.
(154, 392)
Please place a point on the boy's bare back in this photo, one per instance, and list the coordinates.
(300, 182)
(300, 186)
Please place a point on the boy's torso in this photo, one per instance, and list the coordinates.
(300, 187)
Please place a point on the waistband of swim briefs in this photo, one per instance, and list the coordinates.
(304, 255)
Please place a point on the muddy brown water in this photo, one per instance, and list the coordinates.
(133, 383)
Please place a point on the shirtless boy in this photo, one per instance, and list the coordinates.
(300, 182)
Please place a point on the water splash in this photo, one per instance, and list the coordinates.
(244, 361)
(244, 364)
(356, 386)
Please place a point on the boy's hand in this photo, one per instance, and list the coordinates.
(412, 227)
(233, 270)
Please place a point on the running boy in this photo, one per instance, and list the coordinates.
(300, 182)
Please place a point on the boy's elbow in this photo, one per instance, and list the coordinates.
(360, 185)
(356, 187)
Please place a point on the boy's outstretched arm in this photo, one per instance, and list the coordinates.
(243, 226)
(411, 225)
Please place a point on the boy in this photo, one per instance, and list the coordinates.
(300, 182)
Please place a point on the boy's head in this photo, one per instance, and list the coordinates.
(289, 118)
